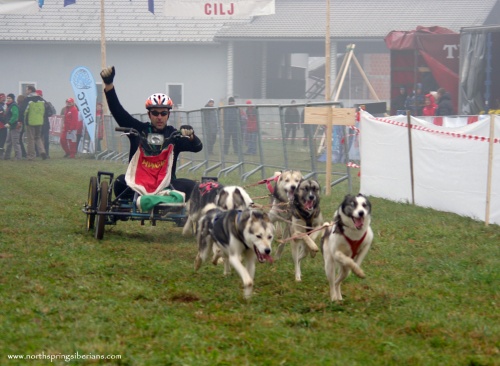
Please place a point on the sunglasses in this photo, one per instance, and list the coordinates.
(162, 113)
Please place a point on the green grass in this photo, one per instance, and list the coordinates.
(430, 296)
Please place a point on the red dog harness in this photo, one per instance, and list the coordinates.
(207, 187)
(354, 244)
(268, 183)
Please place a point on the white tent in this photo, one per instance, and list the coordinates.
(455, 169)
(18, 6)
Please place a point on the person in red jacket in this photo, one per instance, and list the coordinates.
(251, 132)
(70, 128)
(430, 106)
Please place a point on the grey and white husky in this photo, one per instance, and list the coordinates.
(243, 237)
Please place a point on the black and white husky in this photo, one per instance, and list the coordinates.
(243, 237)
(346, 243)
(225, 197)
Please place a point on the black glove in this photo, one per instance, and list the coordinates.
(187, 130)
(108, 74)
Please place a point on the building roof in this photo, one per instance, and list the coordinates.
(130, 21)
(354, 19)
(125, 21)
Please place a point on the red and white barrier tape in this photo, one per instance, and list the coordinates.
(426, 129)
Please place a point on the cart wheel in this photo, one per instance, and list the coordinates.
(92, 203)
(103, 206)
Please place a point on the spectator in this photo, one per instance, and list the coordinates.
(398, 104)
(33, 115)
(232, 127)
(211, 125)
(20, 102)
(308, 129)
(415, 101)
(12, 120)
(444, 108)
(49, 112)
(251, 133)
(69, 130)
(292, 120)
(3, 125)
(430, 106)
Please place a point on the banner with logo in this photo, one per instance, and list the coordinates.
(218, 9)
(85, 92)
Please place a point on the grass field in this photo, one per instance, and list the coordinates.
(431, 295)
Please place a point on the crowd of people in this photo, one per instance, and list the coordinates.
(419, 103)
(25, 128)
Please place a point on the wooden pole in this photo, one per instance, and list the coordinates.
(329, 127)
(410, 148)
(490, 170)
(365, 78)
(344, 72)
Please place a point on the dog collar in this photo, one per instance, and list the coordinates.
(354, 244)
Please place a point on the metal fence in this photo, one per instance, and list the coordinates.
(228, 148)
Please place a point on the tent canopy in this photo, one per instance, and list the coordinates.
(425, 50)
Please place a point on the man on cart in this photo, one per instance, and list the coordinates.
(155, 136)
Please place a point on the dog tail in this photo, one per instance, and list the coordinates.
(349, 262)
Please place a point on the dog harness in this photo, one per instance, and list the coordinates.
(207, 187)
(268, 181)
(354, 244)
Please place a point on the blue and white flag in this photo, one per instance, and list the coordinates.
(18, 6)
(85, 91)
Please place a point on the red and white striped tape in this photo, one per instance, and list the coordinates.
(452, 134)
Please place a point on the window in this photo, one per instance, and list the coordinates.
(176, 92)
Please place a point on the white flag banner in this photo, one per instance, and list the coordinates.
(218, 9)
(85, 91)
(18, 6)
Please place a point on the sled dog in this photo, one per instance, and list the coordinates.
(284, 187)
(346, 243)
(306, 216)
(225, 197)
(243, 237)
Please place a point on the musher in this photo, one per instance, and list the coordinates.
(158, 106)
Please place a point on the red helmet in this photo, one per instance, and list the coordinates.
(159, 100)
(70, 100)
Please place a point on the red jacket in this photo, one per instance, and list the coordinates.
(251, 120)
(71, 119)
(429, 109)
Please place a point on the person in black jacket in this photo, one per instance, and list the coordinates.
(445, 108)
(158, 106)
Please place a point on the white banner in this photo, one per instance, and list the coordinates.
(219, 9)
(450, 164)
(85, 91)
(18, 6)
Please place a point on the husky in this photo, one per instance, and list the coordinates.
(210, 191)
(346, 243)
(242, 236)
(306, 216)
(286, 182)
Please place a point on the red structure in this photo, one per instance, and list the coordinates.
(427, 55)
